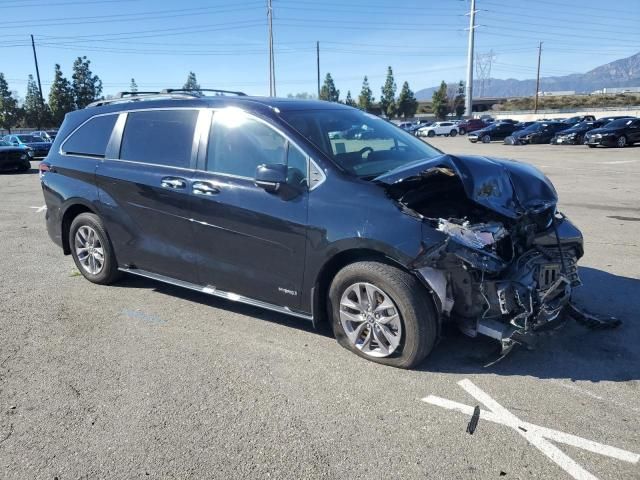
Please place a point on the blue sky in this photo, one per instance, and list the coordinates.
(224, 41)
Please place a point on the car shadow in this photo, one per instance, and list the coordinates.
(31, 171)
(132, 281)
(571, 352)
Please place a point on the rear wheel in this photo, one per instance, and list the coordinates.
(383, 314)
(91, 249)
(25, 167)
(453, 133)
(431, 133)
(486, 139)
(621, 142)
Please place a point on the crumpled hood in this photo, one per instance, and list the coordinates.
(505, 186)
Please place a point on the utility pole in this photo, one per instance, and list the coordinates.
(535, 105)
(35, 59)
(468, 95)
(272, 69)
(318, 66)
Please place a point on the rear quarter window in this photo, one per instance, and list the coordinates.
(92, 138)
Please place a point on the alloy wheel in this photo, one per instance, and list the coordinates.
(89, 250)
(370, 319)
(622, 141)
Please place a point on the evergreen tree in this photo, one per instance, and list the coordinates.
(387, 100)
(458, 106)
(133, 86)
(8, 106)
(35, 111)
(439, 102)
(328, 91)
(61, 99)
(407, 103)
(192, 83)
(87, 87)
(366, 98)
(350, 101)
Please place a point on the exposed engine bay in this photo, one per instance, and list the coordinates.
(499, 258)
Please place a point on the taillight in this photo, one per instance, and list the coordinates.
(43, 168)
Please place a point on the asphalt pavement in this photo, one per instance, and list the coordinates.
(145, 380)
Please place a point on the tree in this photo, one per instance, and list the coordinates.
(133, 86)
(407, 103)
(35, 111)
(366, 98)
(387, 100)
(61, 99)
(8, 106)
(328, 91)
(350, 101)
(458, 106)
(87, 87)
(192, 84)
(439, 102)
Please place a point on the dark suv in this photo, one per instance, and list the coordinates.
(249, 199)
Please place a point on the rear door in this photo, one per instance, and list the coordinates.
(145, 189)
(249, 241)
(634, 131)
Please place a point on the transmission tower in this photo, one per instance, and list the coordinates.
(483, 63)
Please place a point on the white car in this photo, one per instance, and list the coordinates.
(439, 128)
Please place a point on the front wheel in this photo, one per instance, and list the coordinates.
(431, 133)
(621, 142)
(453, 133)
(462, 131)
(486, 139)
(91, 249)
(383, 314)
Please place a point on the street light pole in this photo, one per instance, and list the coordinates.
(468, 96)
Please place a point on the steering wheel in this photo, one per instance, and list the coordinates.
(364, 150)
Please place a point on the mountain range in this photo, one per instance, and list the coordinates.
(619, 73)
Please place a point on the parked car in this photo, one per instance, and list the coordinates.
(405, 125)
(439, 128)
(470, 125)
(38, 148)
(245, 198)
(414, 129)
(46, 135)
(13, 157)
(619, 133)
(492, 132)
(577, 119)
(539, 132)
(523, 125)
(575, 134)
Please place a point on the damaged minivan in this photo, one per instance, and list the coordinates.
(275, 203)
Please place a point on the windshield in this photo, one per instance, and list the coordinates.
(532, 128)
(28, 138)
(362, 144)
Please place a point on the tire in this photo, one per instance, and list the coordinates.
(462, 131)
(108, 272)
(621, 142)
(486, 139)
(453, 133)
(25, 167)
(431, 133)
(591, 146)
(414, 307)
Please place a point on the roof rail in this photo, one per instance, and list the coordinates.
(200, 90)
(137, 96)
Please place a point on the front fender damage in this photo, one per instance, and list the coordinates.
(498, 258)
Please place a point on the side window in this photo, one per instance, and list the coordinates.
(239, 143)
(161, 137)
(91, 139)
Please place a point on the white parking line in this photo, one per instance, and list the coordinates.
(538, 436)
(39, 209)
(617, 162)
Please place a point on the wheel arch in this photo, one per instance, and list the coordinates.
(71, 211)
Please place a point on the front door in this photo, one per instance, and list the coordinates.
(145, 191)
(249, 241)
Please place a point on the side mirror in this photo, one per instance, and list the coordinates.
(271, 176)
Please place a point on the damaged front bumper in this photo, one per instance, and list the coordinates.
(510, 301)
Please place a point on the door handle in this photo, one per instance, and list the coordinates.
(204, 188)
(173, 183)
